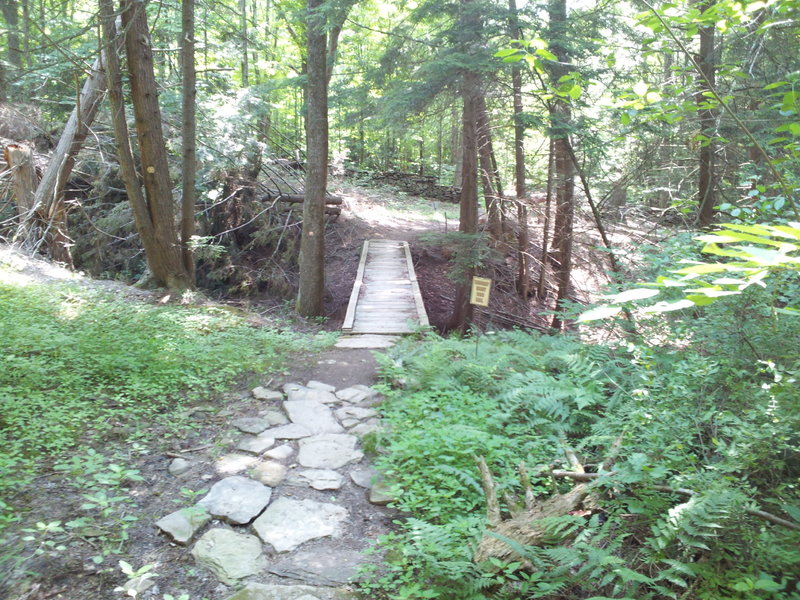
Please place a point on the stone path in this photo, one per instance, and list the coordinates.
(276, 524)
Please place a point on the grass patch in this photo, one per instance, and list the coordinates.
(75, 363)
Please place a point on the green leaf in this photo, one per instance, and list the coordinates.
(600, 312)
(546, 54)
(660, 307)
(634, 294)
(575, 91)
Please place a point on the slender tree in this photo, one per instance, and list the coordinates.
(706, 198)
(310, 296)
(188, 142)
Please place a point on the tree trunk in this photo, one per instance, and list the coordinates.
(245, 49)
(706, 198)
(490, 195)
(560, 117)
(519, 127)
(188, 142)
(523, 241)
(548, 200)
(10, 10)
(19, 160)
(311, 294)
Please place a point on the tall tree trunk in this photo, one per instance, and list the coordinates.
(153, 212)
(706, 198)
(548, 200)
(560, 117)
(523, 275)
(188, 142)
(311, 294)
(487, 173)
(245, 48)
(10, 10)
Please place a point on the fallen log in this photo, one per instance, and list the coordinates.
(298, 198)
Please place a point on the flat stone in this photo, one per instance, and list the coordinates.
(236, 499)
(380, 494)
(184, 523)
(275, 416)
(319, 479)
(364, 477)
(367, 341)
(292, 431)
(287, 523)
(318, 385)
(252, 425)
(230, 464)
(269, 473)
(348, 423)
(290, 387)
(256, 444)
(328, 451)
(261, 591)
(322, 396)
(280, 453)
(314, 416)
(368, 427)
(322, 566)
(351, 394)
(179, 466)
(262, 393)
(355, 412)
(230, 555)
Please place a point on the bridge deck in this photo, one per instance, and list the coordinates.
(385, 297)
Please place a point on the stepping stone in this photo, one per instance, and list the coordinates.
(292, 431)
(351, 394)
(260, 591)
(348, 423)
(236, 499)
(252, 425)
(323, 566)
(314, 416)
(364, 477)
(290, 387)
(269, 473)
(256, 444)
(288, 523)
(179, 466)
(230, 464)
(322, 396)
(355, 412)
(184, 523)
(363, 429)
(380, 493)
(280, 453)
(318, 385)
(367, 341)
(262, 393)
(275, 416)
(229, 555)
(319, 479)
(329, 451)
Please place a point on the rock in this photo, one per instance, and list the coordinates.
(292, 431)
(312, 395)
(260, 591)
(367, 341)
(348, 423)
(318, 385)
(262, 393)
(229, 555)
(355, 412)
(364, 477)
(256, 444)
(314, 416)
(351, 394)
(328, 451)
(362, 429)
(288, 523)
(275, 416)
(230, 464)
(236, 499)
(269, 473)
(252, 425)
(280, 453)
(380, 494)
(179, 466)
(290, 387)
(184, 523)
(323, 566)
(319, 479)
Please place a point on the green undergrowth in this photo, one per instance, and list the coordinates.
(714, 411)
(80, 369)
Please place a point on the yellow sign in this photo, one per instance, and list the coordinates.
(480, 291)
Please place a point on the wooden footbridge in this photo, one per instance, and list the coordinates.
(385, 298)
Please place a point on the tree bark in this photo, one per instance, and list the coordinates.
(311, 293)
(245, 49)
(188, 142)
(19, 160)
(10, 10)
(548, 201)
(706, 198)
(487, 173)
